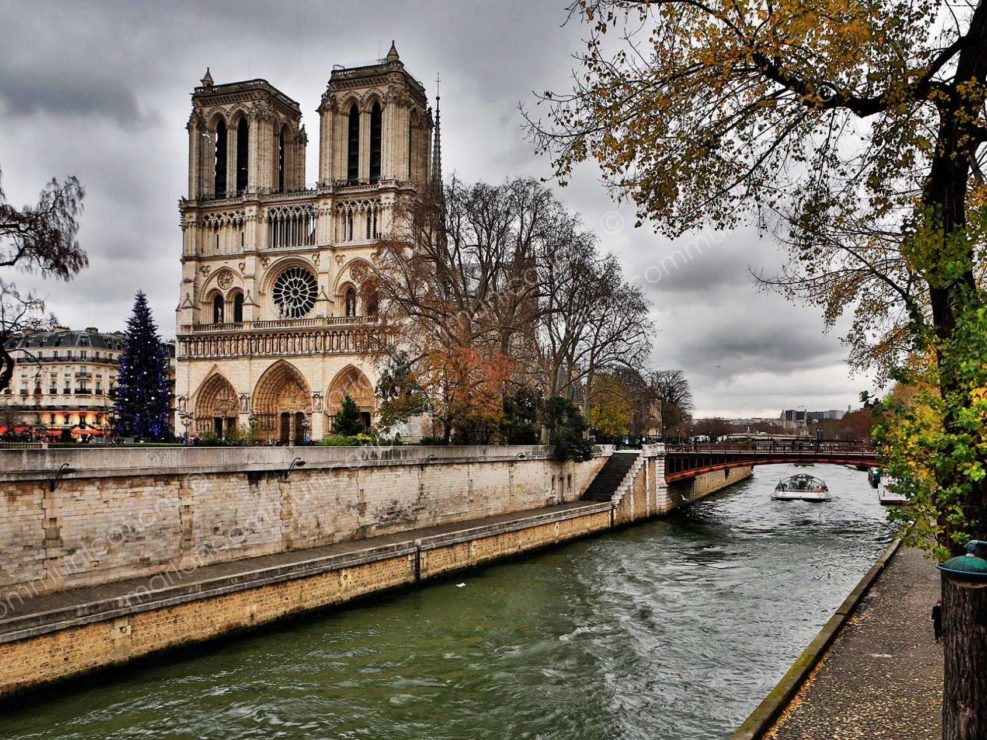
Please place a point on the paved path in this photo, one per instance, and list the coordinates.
(18, 606)
(882, 677)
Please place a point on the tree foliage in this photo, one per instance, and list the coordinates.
(610, 412)
(830, 121)
(37, 238)
(672, 389)
(567, 430)
(347, 420)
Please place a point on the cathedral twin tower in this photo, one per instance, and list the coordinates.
(272, 318)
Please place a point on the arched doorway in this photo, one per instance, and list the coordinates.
(216, 407)
(282, 404)
(350, 381)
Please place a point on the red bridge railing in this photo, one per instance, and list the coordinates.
(689, 460)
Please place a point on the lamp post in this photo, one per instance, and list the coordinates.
(964, 606)
(186, 418)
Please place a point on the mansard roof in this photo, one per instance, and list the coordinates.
(69, 338)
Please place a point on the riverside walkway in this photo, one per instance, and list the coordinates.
(882, 676)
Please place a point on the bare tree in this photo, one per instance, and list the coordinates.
(590, 318)
(458, 294)
(672, 388)
(39, 238)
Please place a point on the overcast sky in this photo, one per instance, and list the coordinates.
(101, 91)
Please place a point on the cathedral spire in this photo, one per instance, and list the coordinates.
(392, 54)
(437, 146)
(207, 79)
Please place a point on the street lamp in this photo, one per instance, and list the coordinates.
(296, 463)
(63, 469)
(186, 418)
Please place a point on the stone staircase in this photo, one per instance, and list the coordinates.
(615, 478)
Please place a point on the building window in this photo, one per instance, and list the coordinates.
(411, 142)
(217, 309)
(350, 302)
(242, 149)
(295, 292)
(353, 146)
(281, 160)
(220, 159)
(375, 144)
(372, 303)
(238, 308)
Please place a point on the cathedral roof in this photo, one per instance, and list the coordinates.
(243, 89)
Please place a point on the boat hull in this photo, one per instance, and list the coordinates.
(801, 496)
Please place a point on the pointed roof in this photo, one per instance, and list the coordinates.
(436, 177)
(207, 79)
(392, 54)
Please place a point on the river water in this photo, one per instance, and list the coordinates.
(674, 628)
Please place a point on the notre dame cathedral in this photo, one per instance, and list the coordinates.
(272, 318)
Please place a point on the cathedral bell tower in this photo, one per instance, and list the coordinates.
(273, 321)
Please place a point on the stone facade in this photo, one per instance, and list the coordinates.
(272, 319)
(65, 379)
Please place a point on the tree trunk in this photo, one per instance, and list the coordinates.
(964, 617)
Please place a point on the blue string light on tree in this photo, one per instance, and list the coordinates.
(142, 384)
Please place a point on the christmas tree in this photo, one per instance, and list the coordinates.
(142, 386)
(348, 420)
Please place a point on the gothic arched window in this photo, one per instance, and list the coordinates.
(238, 308)
(242, 147)
(219, 183)
(372, 303)
(353, 146)
(349, 302)
(217, 309)
(375, 145)
(411, 145)
(281, 160)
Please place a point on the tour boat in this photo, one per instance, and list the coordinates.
(801, 487)
(886, 496)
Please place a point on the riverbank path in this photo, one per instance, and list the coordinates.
(882, 677)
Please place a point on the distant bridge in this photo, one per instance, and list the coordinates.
(683, 462)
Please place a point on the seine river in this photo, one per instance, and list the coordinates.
(675, 628)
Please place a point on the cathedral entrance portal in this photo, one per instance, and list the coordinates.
(353, 383)
(216, 407)
(282, 404)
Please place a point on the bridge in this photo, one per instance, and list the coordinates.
(683, 462)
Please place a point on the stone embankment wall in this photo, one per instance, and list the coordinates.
(649, 495)
(125, 513)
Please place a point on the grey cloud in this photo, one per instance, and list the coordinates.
(63, 96)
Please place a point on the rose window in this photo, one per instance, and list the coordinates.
(295, 291)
